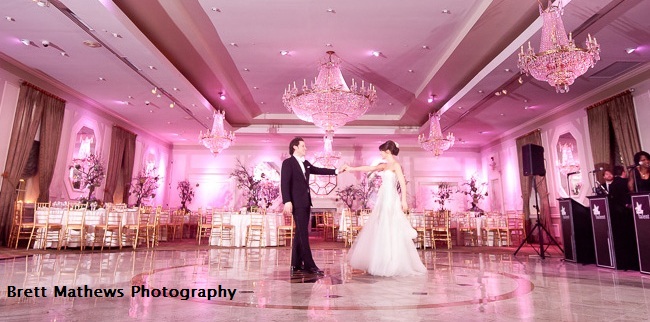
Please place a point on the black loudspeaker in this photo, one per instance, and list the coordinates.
(533, 159)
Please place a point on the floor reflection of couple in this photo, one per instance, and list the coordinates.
(384, 246)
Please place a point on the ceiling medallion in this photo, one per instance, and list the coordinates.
(559, 62)
(328, 102)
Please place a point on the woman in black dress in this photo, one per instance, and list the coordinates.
(639, 180)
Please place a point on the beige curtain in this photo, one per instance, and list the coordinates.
(127, 164)
(621, 112)
(27, 119)
(51, 127)
(120, 161)
(598, 122)
(534, 137)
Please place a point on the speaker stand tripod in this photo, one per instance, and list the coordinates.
(540, 230)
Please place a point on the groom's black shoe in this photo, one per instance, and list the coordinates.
(296, 270)
(315, 271)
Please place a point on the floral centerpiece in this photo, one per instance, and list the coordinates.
(348, 195)
(144, 185)
(476, 191)
(443, 194)
(90, 172)
(267, 193)
(259, 187)
(186, 193)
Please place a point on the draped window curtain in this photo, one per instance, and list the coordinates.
(534, 137)
(617, 112)
(32, 102)
(120, 162)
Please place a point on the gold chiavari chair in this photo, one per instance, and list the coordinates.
(221, 227)
(286, 230)
(319, 219)
(467, 230)
(331, 228)
(255, 230)
(490, 228)
(204, 229)
(112, 224)
(516, 227)
(441, 231)
(418, 223)
(137, 231)
(75, 222)
(176, 225)
(352, 228)
(19, 228)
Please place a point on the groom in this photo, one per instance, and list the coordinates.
(294, 185)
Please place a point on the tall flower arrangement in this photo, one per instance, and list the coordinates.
(90, 172)
(186, 193)
(476, 191)
(267, 193)
(247, 183)
(144, 185)
(443, 194)
(348, 195)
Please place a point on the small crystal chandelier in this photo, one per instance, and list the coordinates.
(218, 139)
(436, 143)
(328, 158)
(328, 102)
(559, 62)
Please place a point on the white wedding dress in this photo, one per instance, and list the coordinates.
(384, 246)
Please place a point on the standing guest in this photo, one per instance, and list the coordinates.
(294, 186)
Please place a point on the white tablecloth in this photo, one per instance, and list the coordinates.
(241, 222)
(93, 219)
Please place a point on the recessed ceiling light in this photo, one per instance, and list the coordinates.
(390, 103)
(193, 105)
(330, 10)
(520, 80)
(329, 45)
(630, 50)
(284, 52)
(425, 47)
(116, 35)
(525, 101)
(460, 107)
(430, 99)
(102, 78)
(176, 89)
(187, 117)
(169, 122)
(255, 87)
(42, 3)
(483, 132)
(152, 67)
(262, 103)
(172, 105)
(26, 42)
(376, 53)
(215, 9)
(446, 11)
(507, 70)
(154, 90)
(222, 96)
(130, 96)
(497, 93)
(247, 70)
(64, 54)
(92, 44)
(505, 92)
(480, 91)
(234, 44)
(411, 71)
(502, 114)
(150, 111)
(526, 107)
(10, 18)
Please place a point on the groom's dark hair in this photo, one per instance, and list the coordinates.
(295, 142)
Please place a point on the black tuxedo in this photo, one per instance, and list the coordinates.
(622, 224)
(294, 186)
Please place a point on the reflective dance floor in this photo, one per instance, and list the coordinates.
(191, 283)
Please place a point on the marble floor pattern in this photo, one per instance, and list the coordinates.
(464, 284)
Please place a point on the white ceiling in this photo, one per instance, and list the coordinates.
(194, 49)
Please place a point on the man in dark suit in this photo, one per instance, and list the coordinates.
(294, 185)
(621, 219)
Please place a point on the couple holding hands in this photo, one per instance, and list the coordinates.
(384, 246)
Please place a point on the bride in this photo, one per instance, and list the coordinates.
(384, 246)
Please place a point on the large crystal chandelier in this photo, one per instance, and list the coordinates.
(328, 158)
(436, 143)
(559, 62)
(218, 139)
(328, 102)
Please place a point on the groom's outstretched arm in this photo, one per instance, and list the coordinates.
(320, 171)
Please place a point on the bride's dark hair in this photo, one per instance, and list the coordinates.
(389, 146)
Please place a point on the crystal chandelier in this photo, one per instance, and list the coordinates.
(559, 62)
(218, 139)
(328, 102)
(328, 158)
(436, 143)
